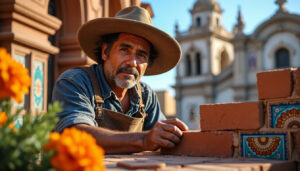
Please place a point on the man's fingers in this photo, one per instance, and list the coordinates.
(165, 143)
(168, 131)
(160, 139)
(165, 134)
(172, 128)
(170, 137)
(178, 123)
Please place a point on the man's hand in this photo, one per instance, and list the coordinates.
(165, 134)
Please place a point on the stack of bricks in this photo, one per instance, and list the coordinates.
(267, 128)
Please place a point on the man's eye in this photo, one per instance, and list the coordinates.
(124, 49)
(142, 56)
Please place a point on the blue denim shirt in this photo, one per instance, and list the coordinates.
(75, 90)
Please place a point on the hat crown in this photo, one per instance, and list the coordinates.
(135, 13)
(137, 21)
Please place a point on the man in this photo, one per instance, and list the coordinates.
(108, 100)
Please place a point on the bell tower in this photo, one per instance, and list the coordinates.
(207, 53)
(206, 14)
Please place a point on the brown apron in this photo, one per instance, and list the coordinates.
(115, 120)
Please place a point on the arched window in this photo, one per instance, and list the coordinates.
(282, 58)
(198, 64)
(198, 22)
(192, 113)
(188, 65)
(224, 61)
(217, 22)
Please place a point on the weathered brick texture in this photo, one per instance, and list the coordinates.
(274, 84)
(231, 116)
(208, 144)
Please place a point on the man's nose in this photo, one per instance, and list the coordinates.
(132, 60)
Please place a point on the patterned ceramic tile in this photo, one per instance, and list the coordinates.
(267, 145)
(284, 114)
(18, 122)
(38, 85)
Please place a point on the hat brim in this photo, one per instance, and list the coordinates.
(168, 49)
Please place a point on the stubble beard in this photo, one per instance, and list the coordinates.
(127, 81)
(124, 83)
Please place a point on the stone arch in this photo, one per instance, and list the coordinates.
(224, 60)
(198, 21)
(72, 14)
(281, 40)
(263, 31)
(189, 61)
(198, 63)
(188, 64)
(192, 112)
(282, 58)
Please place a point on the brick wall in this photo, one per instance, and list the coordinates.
(267, 128)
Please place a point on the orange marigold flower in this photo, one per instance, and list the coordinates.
(3, 118)
(75, 151)
(12, 126)
(14, 78)
(54, 138)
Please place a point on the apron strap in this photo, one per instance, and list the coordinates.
(142, 107)
(140, 94)
(96, 87)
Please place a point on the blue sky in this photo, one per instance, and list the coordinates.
(168, 12)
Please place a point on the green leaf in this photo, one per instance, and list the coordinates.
(22, 149)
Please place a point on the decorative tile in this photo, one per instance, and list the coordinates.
(38, 85)
(284, 114)
(268, 145)
(18, 122)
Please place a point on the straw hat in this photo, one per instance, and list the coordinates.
(134, 20)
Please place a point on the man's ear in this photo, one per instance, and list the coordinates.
(103, 49)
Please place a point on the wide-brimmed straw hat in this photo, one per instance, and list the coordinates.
(137, 21)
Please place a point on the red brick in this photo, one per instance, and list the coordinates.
(274, 84)
(231, 116)
(206, 144)
(297, 81)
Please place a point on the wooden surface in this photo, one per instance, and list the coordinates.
(186, 163)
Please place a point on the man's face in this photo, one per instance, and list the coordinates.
(127, 60)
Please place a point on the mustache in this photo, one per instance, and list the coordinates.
(133, 71)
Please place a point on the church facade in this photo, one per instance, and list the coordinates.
(218, 66)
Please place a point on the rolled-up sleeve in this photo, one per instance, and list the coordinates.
(73, 91)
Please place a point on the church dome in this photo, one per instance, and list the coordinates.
(203, 3)
(206, 4)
